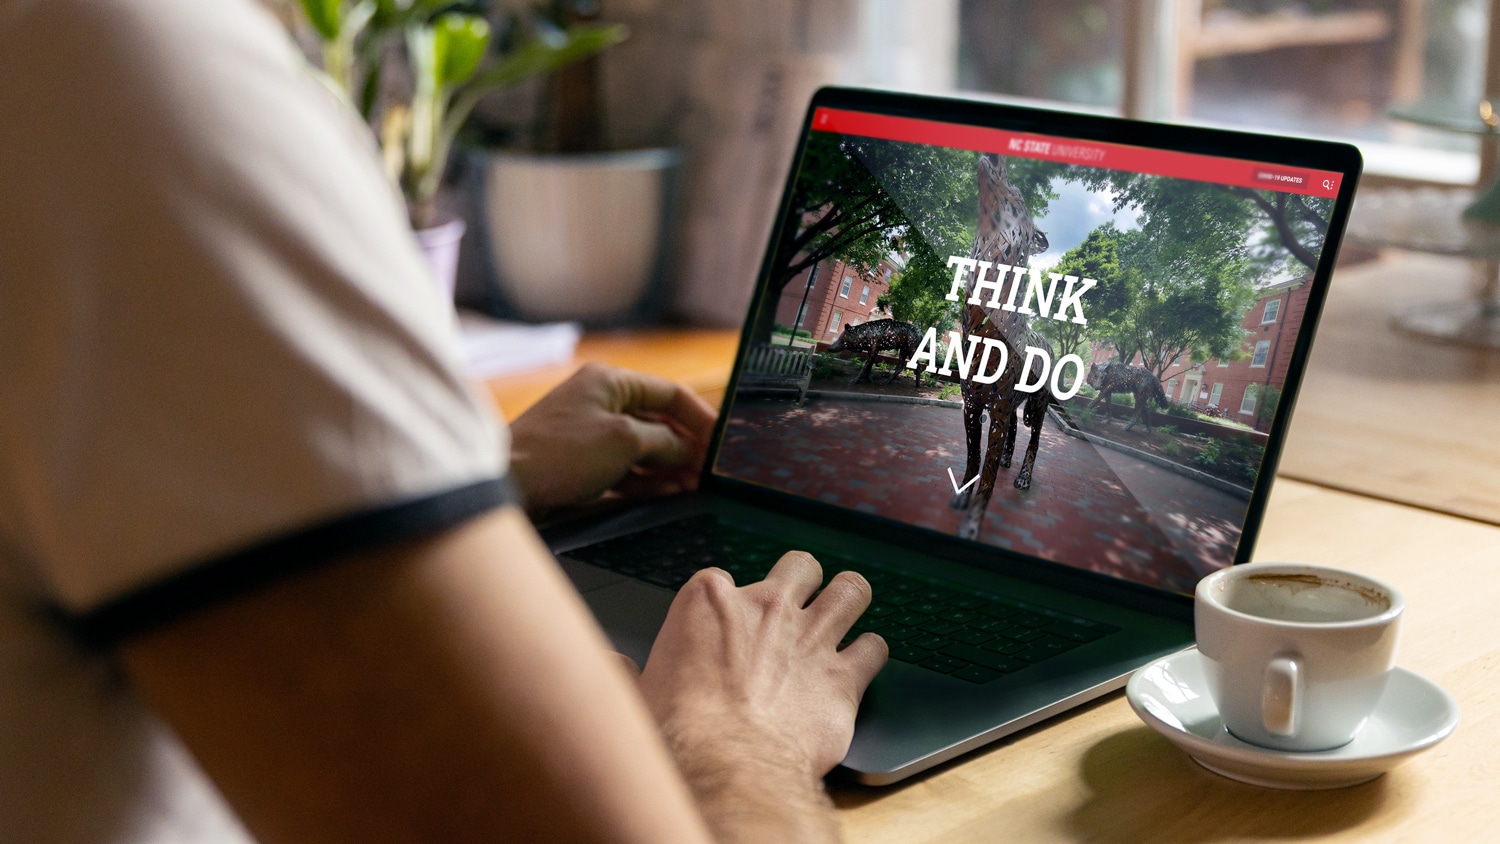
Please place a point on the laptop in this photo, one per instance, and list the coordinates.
(1110, 320)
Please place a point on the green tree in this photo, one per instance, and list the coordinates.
(1187, 299)
(918, 291)
(1034, 178)
(1297, 223)
(1292, 228)
(1098, 258)
(1265, 409)
(1189, 270)
(860, 199)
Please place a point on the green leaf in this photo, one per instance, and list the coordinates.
(539, 56)
(325, 16)
(459, 44)
(533, 58)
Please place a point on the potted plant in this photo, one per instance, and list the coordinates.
(574, 229)
(448, 50)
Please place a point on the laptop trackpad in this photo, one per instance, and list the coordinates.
(631, 613)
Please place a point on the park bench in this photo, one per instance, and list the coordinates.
(769, 366)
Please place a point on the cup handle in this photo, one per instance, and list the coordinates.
(1281, 697)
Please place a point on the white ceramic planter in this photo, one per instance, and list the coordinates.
(576, 237)
(440, 248)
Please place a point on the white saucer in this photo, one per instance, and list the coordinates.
(1413, 715)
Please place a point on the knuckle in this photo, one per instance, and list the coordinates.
(619, 429)
(855, 585)
(802, 559)
(710, 581)
(773, 601)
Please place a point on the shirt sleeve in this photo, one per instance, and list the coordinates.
(225, 356)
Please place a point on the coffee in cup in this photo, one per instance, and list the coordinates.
(1296, 656)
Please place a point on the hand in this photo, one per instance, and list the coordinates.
(609, 430)
(753, 695)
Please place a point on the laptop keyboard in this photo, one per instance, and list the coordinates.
(940, 626)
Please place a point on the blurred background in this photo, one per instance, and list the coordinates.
(622, 161)
(720, 86)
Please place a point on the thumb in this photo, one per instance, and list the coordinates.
(658, 446)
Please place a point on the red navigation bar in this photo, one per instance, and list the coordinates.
(1132, 159)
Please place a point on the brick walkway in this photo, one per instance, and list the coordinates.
(1094, 508)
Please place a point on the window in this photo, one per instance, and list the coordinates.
(801, 315)
(1262, 349)
(1273, 308)
(854, 322)
(848, 283)
(1171, 387)
(1234, 57)
(1218, 393)
(886, 279)
(811, 277)
(1247, 404)
(1309, 67)
(838, 317)
(864, 296)
(1223, 363)
(1074, 51)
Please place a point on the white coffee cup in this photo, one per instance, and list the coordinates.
(1297, 656)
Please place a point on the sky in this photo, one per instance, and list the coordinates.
(1071, 217)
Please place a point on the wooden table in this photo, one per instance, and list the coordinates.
(699, 358)
(1099, 774)
(1393, 416)
(1393, 431)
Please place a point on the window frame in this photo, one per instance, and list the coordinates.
(1262, 353)
(846, 287)
(1269, 316)
(1252, 395)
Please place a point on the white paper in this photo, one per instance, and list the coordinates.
(492, 347)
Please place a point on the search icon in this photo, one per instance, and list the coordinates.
(1327, 184)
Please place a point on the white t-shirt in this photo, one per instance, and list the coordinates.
(221, 358)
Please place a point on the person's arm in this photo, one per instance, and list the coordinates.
(455, 688)
(452, 689)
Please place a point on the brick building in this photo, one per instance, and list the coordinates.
(841, 295)
(1238, 386)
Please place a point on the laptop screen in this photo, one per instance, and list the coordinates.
(1066, 348)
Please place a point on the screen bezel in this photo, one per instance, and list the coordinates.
(1268, 149)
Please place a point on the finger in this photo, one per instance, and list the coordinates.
(700, 448)
(797, 575)
(658, 446)
(650, 394)
(689, 470)
(840, 604)
(866, 655)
